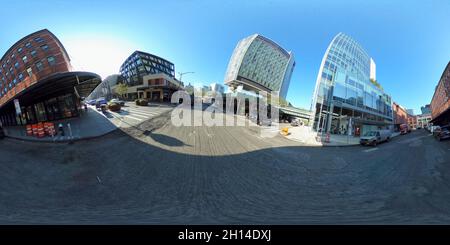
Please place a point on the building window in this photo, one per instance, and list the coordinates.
(39, 39)
(16, 65)
(19, 50)
(28, 45)
(30, 72)
(20, 77)
(39, 66)
(33, 53)
(25, 59)
(51, 61)
(44, 47)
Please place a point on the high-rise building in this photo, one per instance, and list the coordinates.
(426, 109)
(440, 104)
(347, 98)
(149, 76)
(259, 64)
(37, 84)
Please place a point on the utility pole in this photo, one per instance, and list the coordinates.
(183, 73)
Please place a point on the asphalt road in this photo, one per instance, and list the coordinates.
(160, 174)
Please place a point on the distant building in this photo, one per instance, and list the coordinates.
(347, 99)
(440, 104)
(149, 76)
(423, 120)
(412, 121)
(426, 109)
(259, 64)
(400, 115)
(217, 88)
(410, 111)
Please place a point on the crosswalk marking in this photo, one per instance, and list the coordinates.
(137, 119)
(372, 149)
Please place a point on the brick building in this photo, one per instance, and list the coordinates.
(36, 82)
(440, 104)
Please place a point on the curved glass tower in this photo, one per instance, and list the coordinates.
(347, 98)
(259, 64)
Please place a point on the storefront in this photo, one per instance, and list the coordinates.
(56, 98)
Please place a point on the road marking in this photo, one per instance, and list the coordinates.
(138, 119)
(99, 180)
(369, 150)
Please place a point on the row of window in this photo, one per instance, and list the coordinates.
(25, 59)
(5, 87)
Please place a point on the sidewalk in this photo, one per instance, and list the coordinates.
(88, 125)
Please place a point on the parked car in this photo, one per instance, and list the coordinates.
(295, 123)
(442, 133)
(91, 102)
(434, 128)
(100, 102)
(404, 129)
(120, 102)
(113, 106)
(141, 102)
(375, 137)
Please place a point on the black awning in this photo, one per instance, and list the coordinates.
(80, 83)
(442, 119)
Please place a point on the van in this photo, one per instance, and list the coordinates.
(375, 137)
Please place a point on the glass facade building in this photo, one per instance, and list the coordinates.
(347, 98)
(140, 64)
(259, 64)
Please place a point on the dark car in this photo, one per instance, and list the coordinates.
(91, 102)
(100, 102)
(443, 133)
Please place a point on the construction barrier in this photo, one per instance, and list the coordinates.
(41, 132)
(50, 129)
(35, 129)
(29, 130)
(285, 131)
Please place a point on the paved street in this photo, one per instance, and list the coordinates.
(156, 173)
(131, 114)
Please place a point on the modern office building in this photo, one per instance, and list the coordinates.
(259, 64)
(37, 84)
(440, 104)
(149, 76)
(426, 109)
(400, 115)
(347, 98)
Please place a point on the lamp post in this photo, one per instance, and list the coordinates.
(183, 73)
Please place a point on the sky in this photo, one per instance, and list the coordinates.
(409, 40)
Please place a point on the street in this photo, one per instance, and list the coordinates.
(156, 173)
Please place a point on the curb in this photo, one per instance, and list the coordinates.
(61, 141)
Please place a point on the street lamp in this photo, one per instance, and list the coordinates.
(182, 73)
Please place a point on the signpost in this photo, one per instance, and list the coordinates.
(17, 105)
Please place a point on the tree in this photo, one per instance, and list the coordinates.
(121, 89)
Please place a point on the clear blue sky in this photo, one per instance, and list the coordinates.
(409, 40)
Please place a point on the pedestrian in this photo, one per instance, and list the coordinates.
(85, 107)
(61, 129)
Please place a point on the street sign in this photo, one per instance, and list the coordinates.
(17, 105)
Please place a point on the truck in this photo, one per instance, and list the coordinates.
(404, 128)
